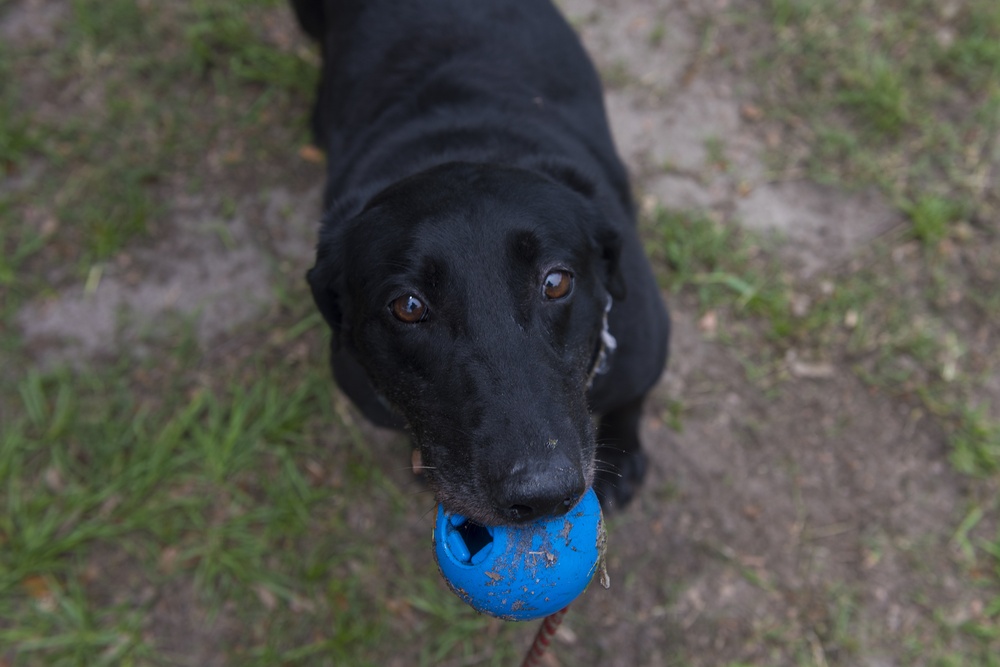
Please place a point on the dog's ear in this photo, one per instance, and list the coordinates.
(312, 17)
(609, 249)
(608, 242)
(326, 279)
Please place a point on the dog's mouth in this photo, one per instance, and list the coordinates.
(470, 500)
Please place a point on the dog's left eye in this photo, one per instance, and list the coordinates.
(408, 309)
(557, 284)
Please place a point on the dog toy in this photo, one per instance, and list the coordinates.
(525, 572)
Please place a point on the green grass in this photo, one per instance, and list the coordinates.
(16, 140)
(730, 270)
(226, 484)
(911, 93)
(933, 217)
(906, 345)
(222, 39)
(905, 95)
(142, 90)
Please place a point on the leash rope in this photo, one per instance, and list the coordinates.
(544, 638)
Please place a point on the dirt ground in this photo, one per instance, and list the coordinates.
(784, 521)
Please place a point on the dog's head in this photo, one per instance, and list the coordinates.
(474, 299)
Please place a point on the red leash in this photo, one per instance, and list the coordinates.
(544, 638)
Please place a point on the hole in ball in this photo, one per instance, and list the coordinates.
(476, 538)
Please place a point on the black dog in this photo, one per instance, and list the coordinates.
(478, 259)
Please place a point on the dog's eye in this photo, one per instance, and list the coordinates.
(557, 284)
(408, 309)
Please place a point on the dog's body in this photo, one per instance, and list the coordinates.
(479, 224)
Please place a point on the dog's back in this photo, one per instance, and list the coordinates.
(500, 81)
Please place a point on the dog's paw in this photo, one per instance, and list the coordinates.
(619, 476)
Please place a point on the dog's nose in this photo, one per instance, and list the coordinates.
(536, 494)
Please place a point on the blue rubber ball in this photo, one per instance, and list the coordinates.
(520, 573)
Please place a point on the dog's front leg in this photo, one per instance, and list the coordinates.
(621, 463)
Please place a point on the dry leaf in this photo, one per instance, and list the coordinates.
(310, 153)
(709, 323)
(751, 112)
(37, 587)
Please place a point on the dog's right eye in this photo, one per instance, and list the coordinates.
(408, 309)
(557, 284)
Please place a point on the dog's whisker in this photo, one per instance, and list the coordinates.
(428, 512)
(453, 429)
(601, 496)
(415, 495)
(606, 466)
(608, 470)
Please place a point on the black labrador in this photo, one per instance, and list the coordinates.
(478, 261)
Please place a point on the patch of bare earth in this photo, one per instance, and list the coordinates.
(212, 272)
